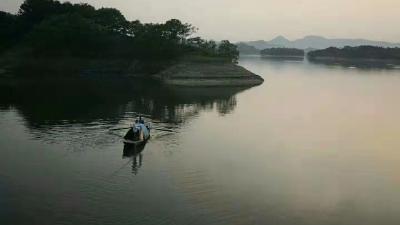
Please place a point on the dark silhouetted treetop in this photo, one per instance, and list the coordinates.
(228, 50)
(112, 20)
(52, 28)
(175, 30)
(7, 29)
(68, 35)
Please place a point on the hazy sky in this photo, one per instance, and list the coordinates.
(264, 19)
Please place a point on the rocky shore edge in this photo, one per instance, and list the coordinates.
(203, 74)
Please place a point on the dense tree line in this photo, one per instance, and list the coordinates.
(282, 52)
(50, 28)
(8, 30)
(361, 52)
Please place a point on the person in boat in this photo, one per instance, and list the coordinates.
(144, 131)
(141, 121)
(133, 133)
(140, 129)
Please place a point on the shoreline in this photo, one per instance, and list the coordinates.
(190, 71)
(333, 58)
(203, 74)
(283, 56)
(188, 82)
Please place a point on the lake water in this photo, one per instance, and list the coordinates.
(315, 144)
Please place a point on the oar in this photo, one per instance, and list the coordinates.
(123, 128)
(154, 128)
(165, 127)
(166, 122)
(168, 130)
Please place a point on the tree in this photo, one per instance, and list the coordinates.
(175, 30)
(7, 30)
(210, 47)
(112, 20)
(52, 28)
(154, 41)
(35, 11)
(228, 51)
(69, 34)
(85, 10)
(196, 42)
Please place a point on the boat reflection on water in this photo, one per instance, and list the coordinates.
(134, 152)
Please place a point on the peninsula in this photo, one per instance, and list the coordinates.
(53, 38)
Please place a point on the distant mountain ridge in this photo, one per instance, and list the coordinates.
(316, 42)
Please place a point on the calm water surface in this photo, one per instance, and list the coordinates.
(315, 144)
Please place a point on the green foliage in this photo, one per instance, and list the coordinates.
(7, 30)
(228, 50)
(69, 34)
(224, 50)
(52, 28)
(175, 30)
(112, 20)
(205, 48)
(158, 41)
(36, 10)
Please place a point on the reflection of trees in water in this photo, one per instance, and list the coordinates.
(226, 106)
(88, 102)
(179, 112)
(362, 64)
(80, 115)
(184, 103)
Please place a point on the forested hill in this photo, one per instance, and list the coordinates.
(283, 52)
(361, 52)
(49, 28)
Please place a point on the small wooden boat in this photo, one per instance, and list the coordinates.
(131, 142)
(138, 134)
